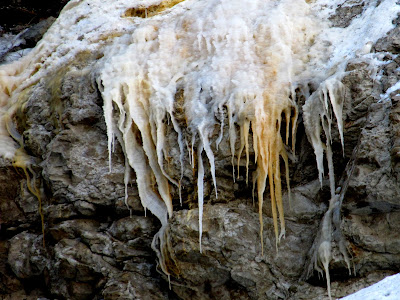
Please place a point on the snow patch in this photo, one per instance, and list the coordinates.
(386, 289)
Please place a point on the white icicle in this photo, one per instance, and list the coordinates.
(200, 190)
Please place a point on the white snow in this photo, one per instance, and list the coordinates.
(364, 30)
(386, 289)
(390, 90)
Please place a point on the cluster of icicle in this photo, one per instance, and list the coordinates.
(318, 115)
(226, 60)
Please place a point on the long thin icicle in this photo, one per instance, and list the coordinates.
(200, 190)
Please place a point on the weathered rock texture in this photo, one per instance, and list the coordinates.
(97, 248)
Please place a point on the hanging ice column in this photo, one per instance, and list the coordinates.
(318, 116)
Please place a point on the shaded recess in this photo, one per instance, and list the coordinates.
(15, 14)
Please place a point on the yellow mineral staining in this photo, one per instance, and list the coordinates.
(24, 161)
(21, 160)
(270, 148)
(147, 11)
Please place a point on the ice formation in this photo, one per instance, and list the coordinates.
(224, 58)
(243, 59)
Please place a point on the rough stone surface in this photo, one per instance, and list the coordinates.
(97, 248)
(345, 13)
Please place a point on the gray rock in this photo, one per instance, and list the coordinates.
(26, 255)
(346, 13)
(231, 260)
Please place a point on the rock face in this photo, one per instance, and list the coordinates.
(95, 247)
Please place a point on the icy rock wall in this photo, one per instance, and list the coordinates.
(200, 65)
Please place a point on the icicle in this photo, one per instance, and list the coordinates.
(181, 155)
(200, 190)
(324, 252)
(246, 139)
(232, 139)
(286, 161)
(160, 142)
(126, 182)
(192, 150)
(210, 156)
(138, 114)
(317, 114)
(261, 178)
(217, 49)
(271, 179)
(244, 144)
(108, 116)
(221, 129)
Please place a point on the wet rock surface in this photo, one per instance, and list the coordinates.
(98, 246)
